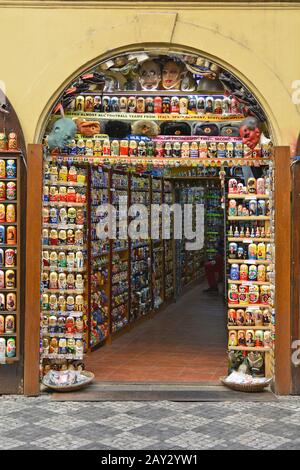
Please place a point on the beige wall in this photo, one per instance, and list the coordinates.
(42, 47)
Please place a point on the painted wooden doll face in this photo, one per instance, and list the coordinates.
(150, 75)
(172, 75)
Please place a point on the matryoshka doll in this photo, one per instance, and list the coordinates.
(253, 294)
(2, 234)
(232, 209)
(79, 103)
(252, 251)
(218, 106)
(259, 338)
(53, 347)
(45, 280)
(70, 325)
(62, 195)
(80, 216)
(70, 281)
(2, 325)
(79, 326)
(62, 304)
(53, 259)
(253, 207)
(2, 213)
(53, 280)
(140, 105)
(115, 148)
(11, 302)
(53, 237)
(261, 251)
(242, 338)
(97, 148)
(244, 274)
(79, 284)
(62, 259)
(260, 186)
(11, 348)
(238, 150)
(261, 207)
(70, 237)
(81, 177)
(2, 280)
(232, 340)
(185, 150)
(71, 194)
(243, 294)
(124, 148)
(221, 150)
(63, 216)
(53, 171)
(234, 272)
(11, 169)
(72, 175)
(232, 186)
(229, 150)
(12, 141)
(123, 104)
(71, 345)
(53, 217)
(252, 272)
(2, 302)
(62, 237)
(70, 303)
(10, 258)
(70, 260)
(10, 279)
(131, 104)
(62, 346)
(250, 340)
(240, 252)
(53, 302)
(233, 247)
(267, 342)
(11, 191)
(79, 348)
(251, 185)
(45, 346)
(52, 324)
(53, 194)
(62, 281)
(233, 296)
(261, 273)
(63, 174)
(10, 324)
(79, 303)
(45, 302)
(79, 237)
(79, 260)
(265, 294)
(203, 149)
(44, 324)
(2, 191)
(71, 215)
(2, 168)
(231, 317)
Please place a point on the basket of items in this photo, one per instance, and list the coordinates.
(241, 382)
(67, 381)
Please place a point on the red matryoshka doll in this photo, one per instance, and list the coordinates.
(11, 302)
(71, 194)
(232, 186)
(175, 105)
(12, 141)
(53, 194)
(243, 295)
(218, 106)
(233, 295)
(72, 175)
(124, 148)
(231, 317)
(53, 347)
(62, 195)
(70, 325)
(89, 104)
(232, 340)
(253, 294)
(53, 237)
(259, 338)
(70, 237)
(2, 191)
(11, 191)
(158, 105)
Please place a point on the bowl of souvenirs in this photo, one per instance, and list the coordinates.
(68, 380)
(241, 382)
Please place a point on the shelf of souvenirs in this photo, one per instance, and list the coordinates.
(72, 184)
(249, 261)
(65, 269)
(8, 335)
(249, 217)
(212, 161)
(257, 305)
(60, 226)
(62, 313)
(64, 204)
(134, 116)
(63, 291)
(65, 335)
(250, 283)
(249, 240)
(65, 247)
(263, 328)
(157, 93)
(249, 196)
(77, 357)
(248, 348)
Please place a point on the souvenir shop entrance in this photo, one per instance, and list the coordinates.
(139, 131)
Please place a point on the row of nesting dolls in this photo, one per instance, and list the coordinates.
(54, 280)
(64, 194)
(63, 215)
(9, 142)
(250, 338)
(62, 303)
(69, 260)
(243, 295)
(7, 348)
(64, 364)
(8, 213)
(8, 169)
(8, 302)
(63, 237)
(255, 251)
(252, 272)
(8, 191)
(252, 207)
(254, 186)
(240, 231)
(62, 346)
(59, 173)
(191, 104)
(62, 325)
(249, 317)
(7, 324)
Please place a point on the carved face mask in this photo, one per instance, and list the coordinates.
(150, 75)
(250, 132)
(172, 75)
(62, 133)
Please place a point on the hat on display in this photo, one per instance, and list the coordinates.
(175, 128)
(117, 129)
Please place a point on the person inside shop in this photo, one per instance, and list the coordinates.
(214, 270)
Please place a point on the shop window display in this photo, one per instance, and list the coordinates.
(139, 126)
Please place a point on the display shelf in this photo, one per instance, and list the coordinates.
(249, 283)
(248, 305)
(263, 328)
(64, 204)
(249, 218)
(155, 116)
(64, 291)
(249, 240)
(248, 261)
(249, 196)
(241, 348)
(65, 247)
(72, 184)
(65, 269)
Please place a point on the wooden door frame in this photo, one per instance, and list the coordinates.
(282, 201)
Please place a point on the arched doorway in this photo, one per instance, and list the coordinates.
(12, 248)
(175, 117)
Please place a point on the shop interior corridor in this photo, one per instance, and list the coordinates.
(184, 343)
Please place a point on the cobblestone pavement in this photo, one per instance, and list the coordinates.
(39, 423)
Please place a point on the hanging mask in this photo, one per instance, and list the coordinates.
(250, 132)
(62, 133)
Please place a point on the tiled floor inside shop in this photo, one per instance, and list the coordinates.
(184, 343)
